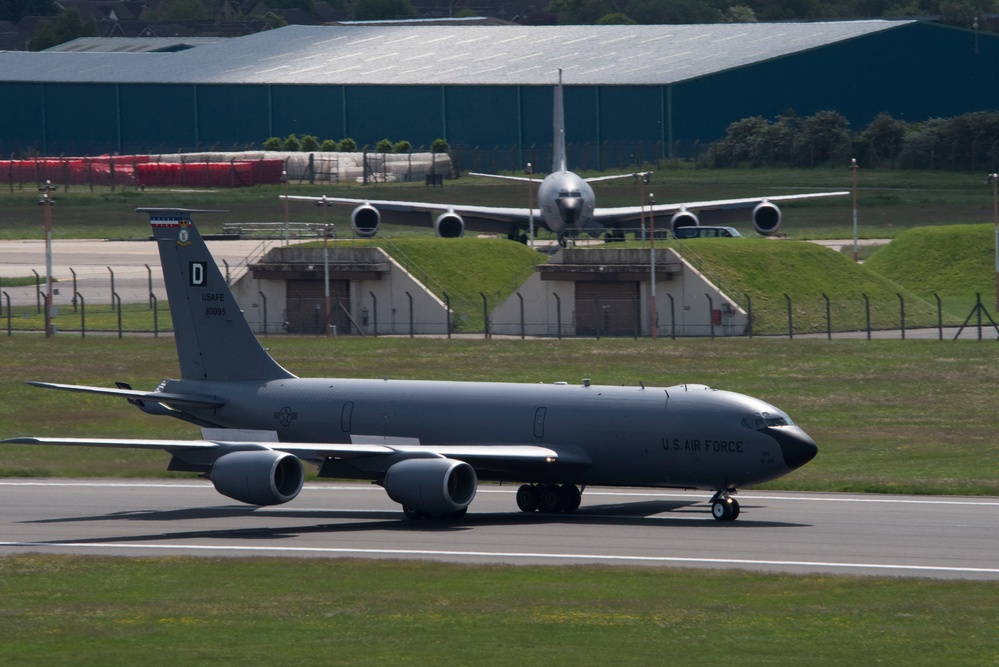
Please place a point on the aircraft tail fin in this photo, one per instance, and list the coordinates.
(214, 340)
(558, 149)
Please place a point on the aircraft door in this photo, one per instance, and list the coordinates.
(539, 422)
(345, 414)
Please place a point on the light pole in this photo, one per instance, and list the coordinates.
(284, 179)
(994, 180)
(326, 266)
(652, 262)
(45, 200)
(530, 204)
(853, 166)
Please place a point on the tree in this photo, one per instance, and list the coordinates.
(382, 10)
(15, 10)
(383, 146)
(67, 27)
(309, 143)
(581, 12)
(616, 19)
(402, 147)
(273, 144)
(328, 146)
(347, 145)
(181, 10)
(823, 138)
(439, 146)
(291, 143)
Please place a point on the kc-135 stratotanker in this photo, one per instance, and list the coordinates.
(428, 443)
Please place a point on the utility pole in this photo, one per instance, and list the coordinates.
(45, 200)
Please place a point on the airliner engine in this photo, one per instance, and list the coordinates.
(683, 218)
(365, 220)
(431, 486)
(766, 218)
(449, 226)
(258, 477)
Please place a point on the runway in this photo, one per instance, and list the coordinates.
(907, 536)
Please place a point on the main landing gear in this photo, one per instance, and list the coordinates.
(549, 498)
(724, 507)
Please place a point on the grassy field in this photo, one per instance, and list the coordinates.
(166, 611)
(888, 201)
(911, 416)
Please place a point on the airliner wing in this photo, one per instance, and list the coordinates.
(714, 210)
(493, 219)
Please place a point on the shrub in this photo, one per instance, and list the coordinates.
(273, 144)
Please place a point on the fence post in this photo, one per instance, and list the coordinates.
(83, 315)
(828, 317)
(263, 301)
(901, 305)
(410, 297)
(521, 315)
(485, 313)
(867, 309)
(672, 318)
(7, 297)
(790, 322)
(749, 314)
(374, 313)
(558, 315)
(149, 273)
(156, 315)
(112, 288)
(74, 288)
(447, 306)
(38, 292)
(711, 315)
(114, 297)
(939, 314)
(226, 271)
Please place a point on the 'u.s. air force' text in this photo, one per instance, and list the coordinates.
(688, 445)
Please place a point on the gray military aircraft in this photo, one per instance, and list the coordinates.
(566, 206)
(428, 443)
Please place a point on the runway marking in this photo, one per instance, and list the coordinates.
(516, 555)
(936, 500)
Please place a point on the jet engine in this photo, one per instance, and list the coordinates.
(683, 218)
(766, 218)
(431, 486)
(258, 477)
(449, 226)
(365, 220)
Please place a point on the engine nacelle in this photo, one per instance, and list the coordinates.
(432, 486)
(258, 477)
(683, 218)
(766, 218)
(365, 220)
(449, 226)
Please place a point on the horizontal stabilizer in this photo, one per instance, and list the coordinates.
(132, 394)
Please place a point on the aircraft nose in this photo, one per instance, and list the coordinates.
(797, 446)
(570, 208)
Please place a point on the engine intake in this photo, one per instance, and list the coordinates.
(258, 477)
(766, 218)
(432, 486)
(365, 220)
(683, 218)
(449, 226)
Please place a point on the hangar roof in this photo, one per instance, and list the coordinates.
(449, 55)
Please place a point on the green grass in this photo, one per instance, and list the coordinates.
(911, 416)
(167, 611)
(889, 202)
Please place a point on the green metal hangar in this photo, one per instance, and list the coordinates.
(634, 91)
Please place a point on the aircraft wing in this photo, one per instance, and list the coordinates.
(631, 213)
(494, 219)
(484, 456)
(134, 395)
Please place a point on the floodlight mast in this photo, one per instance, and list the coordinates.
(45, 200)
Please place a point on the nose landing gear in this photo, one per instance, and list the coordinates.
(724, 507)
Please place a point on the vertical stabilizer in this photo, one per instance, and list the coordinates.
(214, 341)
(559, 141)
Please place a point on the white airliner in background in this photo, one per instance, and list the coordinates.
(566, 206)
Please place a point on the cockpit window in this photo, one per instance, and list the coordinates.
(569, 193)
(758, 422)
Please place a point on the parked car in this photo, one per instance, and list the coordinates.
(706, 233)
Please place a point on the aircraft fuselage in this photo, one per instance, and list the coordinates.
(683, 436)
(566, 202)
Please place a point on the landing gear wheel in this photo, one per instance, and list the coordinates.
(412, 513)
(550, 497)
(527, 498)
(571, 498)
(725, 509)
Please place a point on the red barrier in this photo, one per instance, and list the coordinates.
(141, 170)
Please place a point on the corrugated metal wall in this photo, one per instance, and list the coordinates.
(914, 72)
